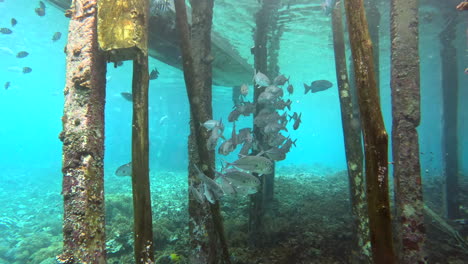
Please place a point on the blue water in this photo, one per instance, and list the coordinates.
(31, 111)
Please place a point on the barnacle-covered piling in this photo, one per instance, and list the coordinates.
(375, 136)
(83, 140)
(406, 113)
(353, 146)
(208, 242)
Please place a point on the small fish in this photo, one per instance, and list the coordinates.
(127, 96)
(275, 90)
(27, 70)
(317, 86)
(5, 31)
(327, 6)
(162, 119)
(274, 128)
(280, 80)
(116, 63)
(56, 36)
(281, 104)
(244, 89)
(210, 124)
(297, 121)
(124, 170)
(290, 89)
(162, 6)
(7, 85)
(241, 179)
(196, 194)
(40, 11)
(234, 115)
(22, 54)
(226, 147)
(246, 108)
(261, 79)
(276, 154)
(213, 139)
(276, 140)
(287, 145)
(266, 98)
(154, 74)
(245, 148)
(13, 22)
(210, 184)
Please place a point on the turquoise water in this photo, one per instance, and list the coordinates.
(32, 107)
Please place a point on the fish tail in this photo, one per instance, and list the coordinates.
(307, 88)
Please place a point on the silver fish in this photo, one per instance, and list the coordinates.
(234, 115)
(276, 140)
(196, 194)
(281, 104)
(246, 108)
(244, 134)
(226, 148)
(261, 79)
(274, 90)
(266, 98)
(287, 145)
(273, 128)
(213, 139)
(210, 184)
(210, 124)
(240, 178)
(227, 187)
(245, 148)
(124, 170)
(276, 153)
(280, 80)
(255, 164)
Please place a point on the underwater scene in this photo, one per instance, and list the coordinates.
(260, 165)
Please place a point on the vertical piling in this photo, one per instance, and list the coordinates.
(353, 146)
(375, 136)
(406, 113)
(207, 240)
(260, 201)
(143, 224)
(83, 140)
(448, 55)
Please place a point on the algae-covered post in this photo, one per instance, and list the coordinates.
(448, 55)
(123, 34)
(83, 140)
(353, 146)
(260, 201)
(207, 239)
(375, 136)
(406, 114)
(373, 19)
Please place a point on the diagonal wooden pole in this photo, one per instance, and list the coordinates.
(375, 135)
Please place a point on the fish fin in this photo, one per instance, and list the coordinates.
(260, 153)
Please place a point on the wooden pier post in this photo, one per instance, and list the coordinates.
(406, 113)
(207, 240)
